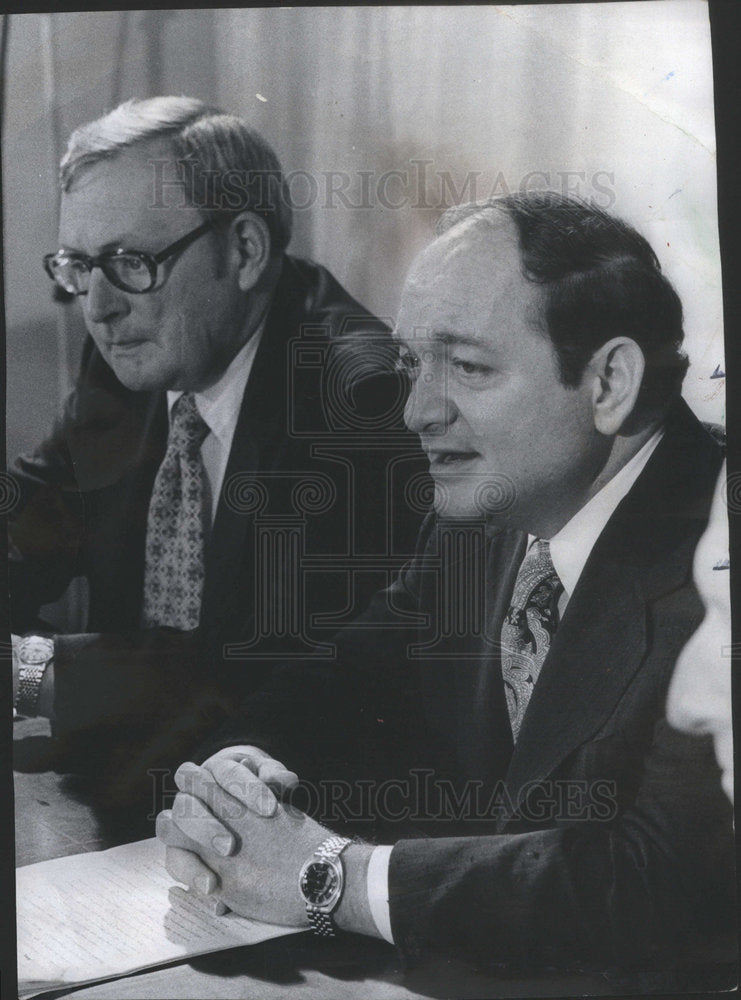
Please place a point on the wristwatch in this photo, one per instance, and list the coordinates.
(320, 882)
(35, 653)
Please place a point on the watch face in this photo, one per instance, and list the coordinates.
(36, 649)
(320, 882)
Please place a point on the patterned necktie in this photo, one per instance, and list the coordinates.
(528, 628)
(176, 525)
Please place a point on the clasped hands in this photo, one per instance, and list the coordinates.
(231, 838)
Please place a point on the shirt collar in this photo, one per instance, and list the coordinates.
(219, 405)
(570, 547)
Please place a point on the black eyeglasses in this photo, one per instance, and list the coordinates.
(130, 270)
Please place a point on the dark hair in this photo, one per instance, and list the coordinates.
(225, 167)
(600, 279)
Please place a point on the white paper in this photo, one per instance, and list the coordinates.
(95, 916)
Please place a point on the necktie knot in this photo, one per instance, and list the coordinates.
(187, 427)
(537, 580)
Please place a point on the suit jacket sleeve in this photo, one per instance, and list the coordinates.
(646, 888)
(45, 527)
(129, 705)
(324, 717)
(82, 498)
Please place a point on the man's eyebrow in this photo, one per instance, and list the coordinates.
(469, 339)
(124, 242)
(127, 241)
(443, 337)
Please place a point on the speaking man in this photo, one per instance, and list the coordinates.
(545, 813)
(230, 456)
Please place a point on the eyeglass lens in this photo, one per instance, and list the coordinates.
(127, 271)
(133, 271)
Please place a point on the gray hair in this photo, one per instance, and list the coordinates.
(225, 167)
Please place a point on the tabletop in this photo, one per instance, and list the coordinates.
(53, 820)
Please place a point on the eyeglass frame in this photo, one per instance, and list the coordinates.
(151, 261)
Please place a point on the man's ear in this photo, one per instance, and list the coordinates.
(251, 242)
(616, 370)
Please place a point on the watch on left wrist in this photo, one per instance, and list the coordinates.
(35, 653)
(321, 883)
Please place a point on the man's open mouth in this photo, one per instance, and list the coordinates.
(443, 458)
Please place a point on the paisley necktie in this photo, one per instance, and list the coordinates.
(528, 628)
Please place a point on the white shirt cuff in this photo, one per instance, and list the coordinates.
(378, 890)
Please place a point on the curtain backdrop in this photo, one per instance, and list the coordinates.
(382, 117)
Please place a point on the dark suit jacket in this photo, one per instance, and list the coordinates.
(603, 840)
(311, 521)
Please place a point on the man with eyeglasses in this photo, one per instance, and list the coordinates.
(233, 422)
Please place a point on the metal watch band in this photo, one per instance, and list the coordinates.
(36, 653)
(331, 848)
(322, 922)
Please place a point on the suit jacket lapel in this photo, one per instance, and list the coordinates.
(482, 707)
(460, 676)
(259, 436)
(595, 653)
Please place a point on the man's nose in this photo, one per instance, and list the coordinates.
(429, 408)
(103, 300)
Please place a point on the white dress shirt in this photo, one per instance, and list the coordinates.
(219, 407)
(570, 548)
